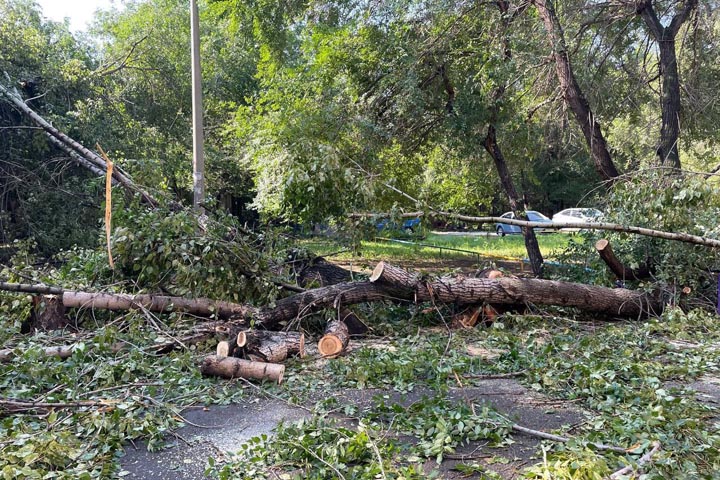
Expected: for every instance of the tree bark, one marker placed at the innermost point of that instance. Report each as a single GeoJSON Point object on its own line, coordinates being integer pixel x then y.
{"type": "Point", "coordinates": [267, 346]}
{"type": "Point", "coordinates": [670, 97]}
{"type": "Point", "coordinates": [507, 290]}
{"type": "Point", "coordinates": [621, 271]}
{"type": "Point", "coordinates": [531, 243]}
{"type": "Point", "coordinates": [231, 367]}
{"type": "Point", "coordinates": [335, 340]}
{"type": "Point", "coordinates": [321, 272]}
{"type": "Point", "coordinates": [71, 145]}
{"type": "Point", "coordinates": [573, 95]}
{"type": "Point", "coordinates": [154, 303]}
{"type": "Point", "coordinates": [48, 313]}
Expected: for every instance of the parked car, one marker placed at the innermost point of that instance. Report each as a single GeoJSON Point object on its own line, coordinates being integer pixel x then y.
{"type": "Point", "coordinates": [408, 225]}
{"type": "Point", "coordinates": [577, 215]}
{"type": "Point", "coordinates": [503, 229]}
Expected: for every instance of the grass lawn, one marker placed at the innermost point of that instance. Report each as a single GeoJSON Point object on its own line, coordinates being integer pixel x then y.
{"type": "Point", "coordinates": [509, 247]}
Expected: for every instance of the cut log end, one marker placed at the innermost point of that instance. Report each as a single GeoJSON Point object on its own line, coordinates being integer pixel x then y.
{"type": "Point", "coordinates": [601, 244]}
{"type": "Point", "coordinates": [335, 340]}
{"type": "Point", "coordinates": [377, 272]}
{"type": "Point", "coordinates": [330, 346]}
{"type": "Point", "coordinates": [223, 349]}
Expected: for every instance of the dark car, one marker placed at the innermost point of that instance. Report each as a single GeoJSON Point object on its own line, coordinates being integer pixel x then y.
{"type": "Point", "coordinates": [408, 225]}
{"type": "Point", "coordinates": [503, 229]}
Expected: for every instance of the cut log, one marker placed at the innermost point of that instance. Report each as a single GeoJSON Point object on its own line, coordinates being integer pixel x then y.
{"type": "Point", "coordinates": [154, 303]}
{"type": "Point", "coordinates": [61, 351]}
{"type": "Point", "coordinates": [226, 348]}
{"type": "Point", "coordinates": [335, 340]}
{"type": "Point", "coordinates": [323, 273]}
{"type": "Point", "coordinates": [231, 367]}
{"type": "Point", "coordinates": [48, 313]}
{"type": "Point", "coordinates": [621, 271]}
{"type": "Point", "coordinates": [273, 347]}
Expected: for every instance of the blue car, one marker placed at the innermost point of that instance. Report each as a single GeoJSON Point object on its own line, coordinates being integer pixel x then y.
{"type": "Point", "coordinates": [408, 225]}
{"type": "Point", "coordinates": [503, 229]}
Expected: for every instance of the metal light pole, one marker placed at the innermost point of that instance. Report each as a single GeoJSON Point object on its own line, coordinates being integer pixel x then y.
{"type": "Point", "coordinates": [197, 111]}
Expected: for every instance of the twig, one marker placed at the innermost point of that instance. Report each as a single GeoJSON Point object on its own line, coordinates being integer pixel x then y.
{"type": "Point", "coordinates": [645, 459]}
{"type": "Point", "coordinates": [23, 405]}
{"type": "Point", "coordinates": [494, 376]}
{"type": "Point", "coordinates": [561, 439]}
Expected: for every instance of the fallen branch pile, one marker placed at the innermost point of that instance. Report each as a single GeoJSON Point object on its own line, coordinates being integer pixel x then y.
{"type": "Point", "coordinates": [265, 345]}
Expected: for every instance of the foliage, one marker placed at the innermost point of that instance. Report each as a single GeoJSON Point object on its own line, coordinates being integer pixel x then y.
{"type": "Point", "coordinates": [686, 204]}
{"type": "Point", "coordinates": [318, 449]}
{"type": "Point", "coordinates": [165, 249]}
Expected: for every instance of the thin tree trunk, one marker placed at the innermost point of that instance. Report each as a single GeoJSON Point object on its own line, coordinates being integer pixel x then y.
{"type": "Point", "coordinates": [492, 147]}
{"type": "Point", "coordinates": [573, 95]}
{"type": "Point", "coordinates": [531, 243]}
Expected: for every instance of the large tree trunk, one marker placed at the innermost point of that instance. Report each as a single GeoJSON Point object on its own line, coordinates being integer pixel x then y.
{"type": "Point", "coordinates": [573, 95]}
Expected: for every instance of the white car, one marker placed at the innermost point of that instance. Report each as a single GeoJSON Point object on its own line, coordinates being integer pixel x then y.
{"type": "Point", "coordinates": [577, 215]}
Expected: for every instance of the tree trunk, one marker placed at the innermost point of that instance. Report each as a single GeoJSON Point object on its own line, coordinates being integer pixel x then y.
{"type": "Point", "coordinates": [531, 243]}
{"type": "Point", "coordinates": [670, 98]}
{"type": "Point", "coordinates": [48, 313]}
{"type": "Point", "coordinates": [506, 290]}
{"type": "Point", "coordinates": [621, 271]}
{"type": "Point", "coordinates": [154, 303]}
{"type": "Point", "coordinates": [71, 145]}
{"type": "Point", "coordinates": [668, 153]}
{"type": "Point", "coordinates": [573, 95]}
{"type": "Point", "coordinates": [231, 367]}
{"type": "Point", "coordinates": [318, 271]}
{"type": "Point", "coordinates": [335, 340]}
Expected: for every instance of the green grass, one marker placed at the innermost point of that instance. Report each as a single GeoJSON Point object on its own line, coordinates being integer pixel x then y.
{"type": "Point", "coordinates": [508, 247]}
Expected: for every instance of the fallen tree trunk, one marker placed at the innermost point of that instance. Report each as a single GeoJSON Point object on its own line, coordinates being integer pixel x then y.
{"type": "Point", "coordinates": [155, 303]}
{"type": "Point", "coordinates": [61, 351]}
{"type": "Point", "coordinates": [621, 271]}
{"type": "Point", "coordinates": [70, 145]}
{"type": "Point", "coordinates": [391, 283]}
{"type": "Point", "coordinates": [267, 346]}
{"type": "Point", "coordinates": [323, 273]}
{"type": "Point", "coordinates": [231, 367]}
